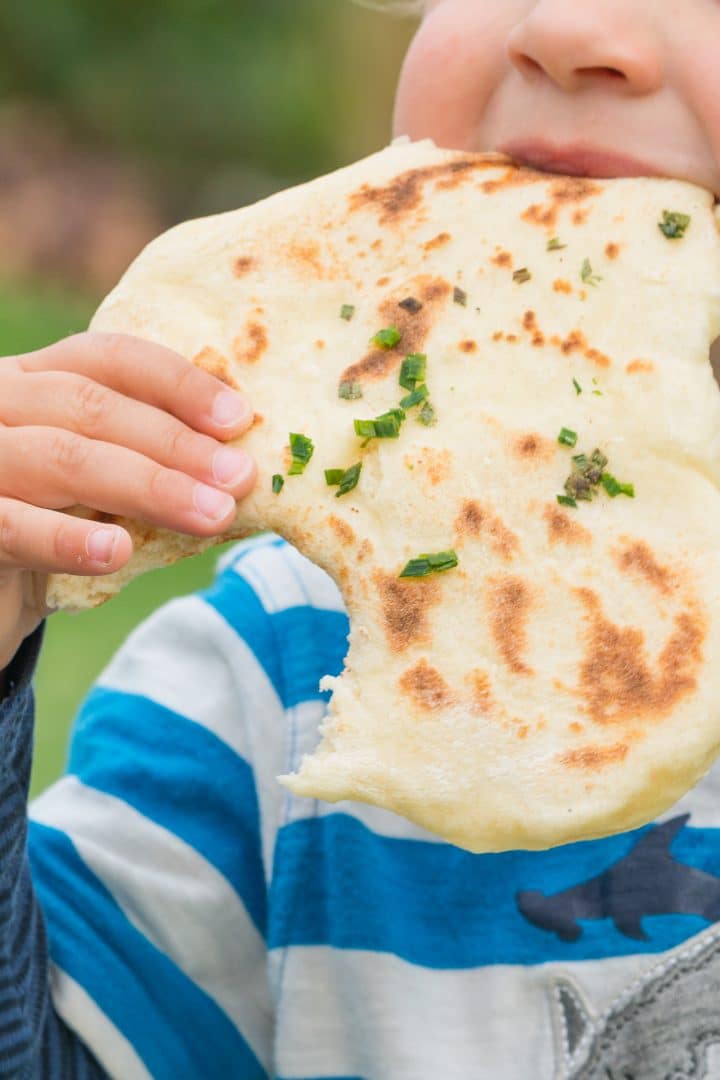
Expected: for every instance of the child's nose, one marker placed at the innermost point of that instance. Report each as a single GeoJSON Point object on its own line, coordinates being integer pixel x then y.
{"type": "Point", "coordinates": [578, 42]}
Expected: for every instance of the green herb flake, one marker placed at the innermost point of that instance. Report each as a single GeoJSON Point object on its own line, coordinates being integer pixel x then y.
{"type": "Point", "coordinates": [343, 479]}
{"type": "Point", "coordinates": [301, 448]}
{"type": "Point", "coordinates": [347, 311]}
{"type": "Point", "coordinates": [522, 275]}
{"type": "Point", "coordinates": [614, 487]}
{"type": "Point", "coordinates": [673, 224]}
{"type": "Point", "coordinates": [412, 370]}
{"type": "Point", "coordinates": [350, 391]}
{"type": "Point", "coordinates": [430, 564]}
{"type": "Point", "coordinates": [459, 296]}
{"type": "Point", "coordinates": [555, 245]}
{"type": "Point", "coordinates": [567, 437]}
{"type": "Point", "coordinates": [567, 500]}
{"type": "Point", "coordinates": [349, 480]}
{"type": "Point", "coordinates": [386, 426]}
{"type": "Point", "coordinates": [387, 338]}
{"type": "Point", "coordinates": [417, 395]}
{"type": "Point", "coordinates": [427, 415]}
{"type": "Point", "coordinates": [586, 475]}
{"type": "Point", "coordinates": [277, 483]}
{"type": "Point", "coordinates": [578, 387]}
{"type": "Point", "coordinates": [587, 275]}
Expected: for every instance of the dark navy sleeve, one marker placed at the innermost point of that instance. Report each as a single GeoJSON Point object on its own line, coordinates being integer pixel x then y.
{"type": "Point", "coordinates": [35, 1044]}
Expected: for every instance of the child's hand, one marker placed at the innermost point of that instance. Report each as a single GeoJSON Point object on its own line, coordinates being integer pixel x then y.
{"type": "Point", "coordinates": [119, 425]}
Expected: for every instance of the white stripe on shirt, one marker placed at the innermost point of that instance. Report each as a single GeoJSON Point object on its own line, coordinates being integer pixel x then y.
{"type": "Point", "coordinates": [174, 897]}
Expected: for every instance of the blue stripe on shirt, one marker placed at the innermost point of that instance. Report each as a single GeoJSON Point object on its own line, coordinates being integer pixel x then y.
{"type": "Point", "coordinates": [207, 796]}
{"type": "Point", "coordinates": [136, 985]}
{"type": "Point", "coordinates": [337, 883]}
{"type": "Point", "coordinates": [295, 647]}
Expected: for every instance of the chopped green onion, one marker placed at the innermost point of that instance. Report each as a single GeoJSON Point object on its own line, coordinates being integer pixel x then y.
{"type": "Point", "coordinates": [674, 224]}
{"type": "Point", "coordinates": [427, 415]}
{"type": "Point", "coordinates": [430, 564]}
{"type": "Point", "coordinates": [350, 391]}
{"type": "Point", "coordinates": [349, 480]}
{"type": "Point", "coordinates": [580, 461]}
{"type": "Point", "coordinates": [417, 395]}
{"type": "Point", "coordinates": [277, 483]}
{"type": "Point", "coordinates": [301, 448]}
{"type": "Point", "coordinates": [412, 371]}
{"type": "Point", "coordinates": [386, 339]}
{"type": "Point", "coordinates": [567, 437]}
{"type": "Point", "coordinates": [613, 487]}
{"type": "Point", "coordinates": [555, 245]}
{"type": "Point", "coordinates": [344, 479]}
{"type": "Point", "coordinates": [598, 393]}
{"type": "Point", "coordinates": [347, 311]}
{"type": "Point", "coordinates": [567, 500]}
{"type": "Point", "coordinates": [386, 426]}
{"type": "Point", "coordinates": [578, 387]}
{"type": "Point", "coordinates": [587, 275]}
{"type": "Point", "coordinates": [460, 296]}
{"type": "Point", "coordinates": [522, 275]}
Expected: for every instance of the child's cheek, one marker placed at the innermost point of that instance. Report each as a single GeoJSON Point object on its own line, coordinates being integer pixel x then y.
{"type": "Point", "coordinates": [454, 65]}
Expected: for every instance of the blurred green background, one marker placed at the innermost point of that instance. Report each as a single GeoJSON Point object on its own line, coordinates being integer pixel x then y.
{"type": "Point", "coordinates": [120, 119]}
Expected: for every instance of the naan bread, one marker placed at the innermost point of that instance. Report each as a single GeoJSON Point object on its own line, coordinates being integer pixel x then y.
{"type": "Point", "coordinates": [563, 681]}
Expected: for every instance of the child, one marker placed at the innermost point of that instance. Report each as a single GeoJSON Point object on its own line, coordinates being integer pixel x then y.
{"type": "Point", "coordinates": [202, 922]}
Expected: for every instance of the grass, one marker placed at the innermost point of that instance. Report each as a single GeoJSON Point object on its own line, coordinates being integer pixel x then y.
{"type": "Point", "coordinates": [77, 647]}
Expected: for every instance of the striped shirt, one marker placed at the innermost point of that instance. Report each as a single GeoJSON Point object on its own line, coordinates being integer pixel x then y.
{"type": "Point", "coordinates": [205, 923]}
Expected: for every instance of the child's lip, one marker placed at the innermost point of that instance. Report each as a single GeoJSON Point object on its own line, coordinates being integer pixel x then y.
{"type": "Point", "coordinates": [576, 159]}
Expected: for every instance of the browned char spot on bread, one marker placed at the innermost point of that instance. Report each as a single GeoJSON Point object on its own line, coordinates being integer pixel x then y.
{"type": "Point", "coordinates": [483, 701]}
{"type": "Point", "coordinates": [243, 264]}
{"type": "Point", "coordinates": [474, 520]}
{"type": "Point", "coordinates": [637, 367]}
{"type": "Point", "coordinates": [509, 601]}
{"type": "Point", "coordinates": [532, 447]}
{"type": "Point", "coordinates": [440, 240]}
{"type": "Point", "coordinates": [594, 757]}
{"type": "Point", "coordinates": [342, 530]}
{"type": "Point", "coordinates": [616, 679]}
{"type": "Point", "coordinates": [414, 328]}
{"type": "Point", "coordinates": [216, 364]}
{"type": "Point", "coordinates": [562, 529]}
{"type": "Point", "coordinates": [405, 604]}
{"type": "Point", "coordinates": [567, 191]}
{"type": "Point", "coordinates": [426, 686]}
{"type": "Point", "coordinates": [249, 346]}
{"type": "Point", "coordinates": [404, 193]}
{"type": "Point", "coordinates": [637, 557]}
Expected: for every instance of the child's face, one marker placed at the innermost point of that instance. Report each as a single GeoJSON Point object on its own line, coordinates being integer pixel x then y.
{"type": "Point", "coordinates": [596, 87]}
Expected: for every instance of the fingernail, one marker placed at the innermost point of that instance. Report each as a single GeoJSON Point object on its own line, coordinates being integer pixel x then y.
{"type": "Point", "coordinates": [229, 409]}
{"type": "Point", "coordinates": [100, 545]}
{"type": "Point", "coordinates": [231, 467]}
{"type": "Point", "coordinates": [211, 503]}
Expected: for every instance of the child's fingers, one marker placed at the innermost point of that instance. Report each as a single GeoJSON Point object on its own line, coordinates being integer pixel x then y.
{"type": "Point", "coordinates": [156, 375]}
{"type": "Point", "coordinates": [50, 542]}
{"type": "Point", "coordinates": [52, 468]}
{"type": "Point", "coordinates": [62, 400]}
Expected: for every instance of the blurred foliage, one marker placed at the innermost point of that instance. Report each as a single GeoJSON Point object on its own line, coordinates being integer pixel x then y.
{"type": "Point", "coordinates": [205, 87]}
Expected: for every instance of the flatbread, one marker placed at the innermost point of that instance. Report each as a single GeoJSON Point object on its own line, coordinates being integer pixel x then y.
{"type": "Point", "coordinates": [562, 681]}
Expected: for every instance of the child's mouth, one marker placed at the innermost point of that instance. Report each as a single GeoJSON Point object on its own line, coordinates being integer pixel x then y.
{"type": "Point", "coordinates": [576, 159]}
